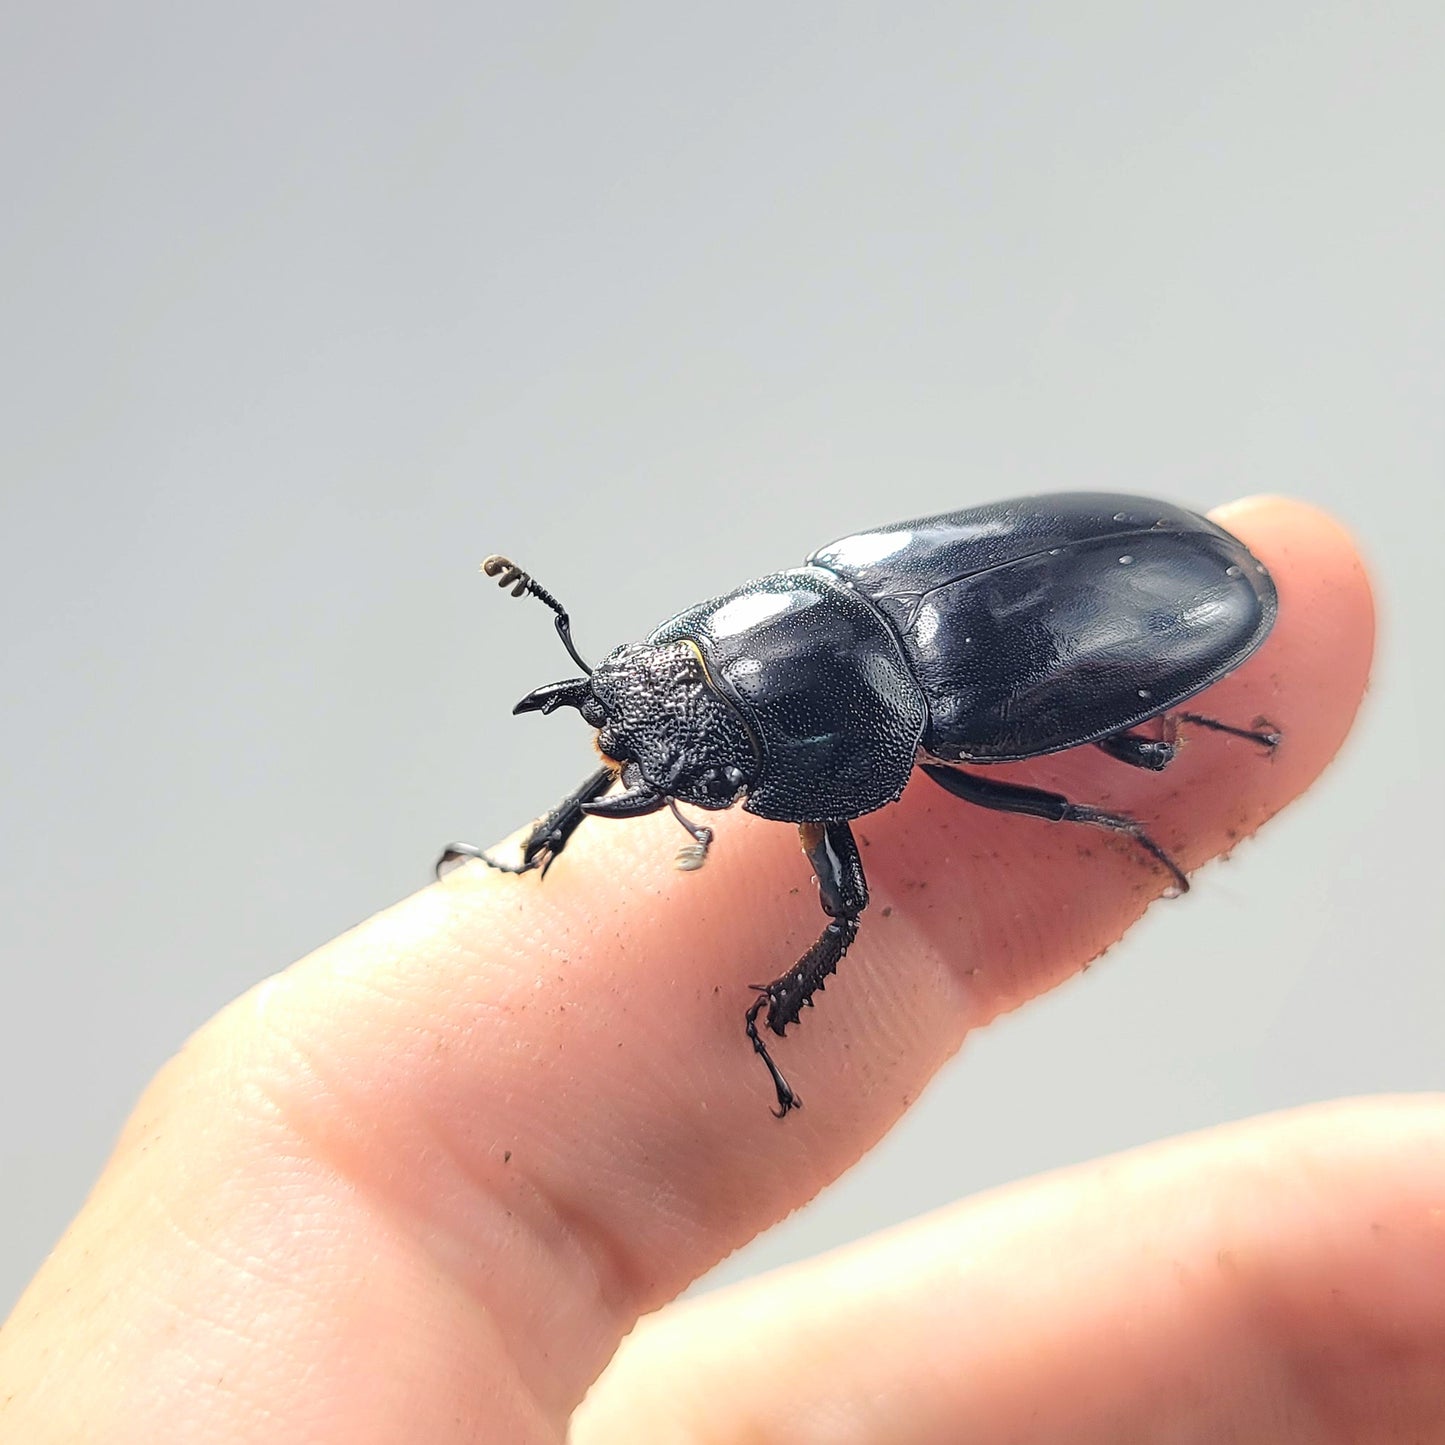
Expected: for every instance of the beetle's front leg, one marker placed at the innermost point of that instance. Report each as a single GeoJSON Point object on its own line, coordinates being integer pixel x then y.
{"type": "Point", "coordinates": [843, 892]}
{"type": "Point", "coordinates": [546, 840]}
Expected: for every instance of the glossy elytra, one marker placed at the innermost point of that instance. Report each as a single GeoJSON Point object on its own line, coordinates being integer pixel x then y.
{"type": "Point", "coordinates": [982, 636]}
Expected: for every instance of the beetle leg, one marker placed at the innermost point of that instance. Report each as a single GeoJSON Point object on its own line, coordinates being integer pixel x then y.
{"type": "Point", "coordinates": [1144, 752]}
{"type": "Point", "coordinates": [1266, 735]}
{"type": "Point", "coordinates": [1140, 752]}
{"type": "Point", "coordinates": [1157, 753]}
{"type": "Point", "coordinates": [546, 840]}
{"type": "Point", "coordinates": [1036, 803]}
{"type": "Point", "coordinates": [843, 892]}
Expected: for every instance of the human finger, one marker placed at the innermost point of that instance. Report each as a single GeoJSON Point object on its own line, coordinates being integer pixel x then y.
{"type": "Point", "coordinates": [518, 1114]}
{"type": "Point", "coordinates": [1280, 1281]}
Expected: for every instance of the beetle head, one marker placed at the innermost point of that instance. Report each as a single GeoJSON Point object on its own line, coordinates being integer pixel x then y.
{"type": "Point", "coordinates": [659, 718]}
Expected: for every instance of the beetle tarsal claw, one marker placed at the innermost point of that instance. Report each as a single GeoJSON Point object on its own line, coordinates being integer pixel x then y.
{"type": "Point", "coordinates": [691, 856]}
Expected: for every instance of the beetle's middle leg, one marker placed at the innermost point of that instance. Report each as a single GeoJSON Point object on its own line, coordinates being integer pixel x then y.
{"type": "Point", "coordinates": [1141, 751]}
{"type": "Point", "coordinates": [843, 892]}
{"type": "Point", "coordinates": [1037, 803]}
{"type": "Point", "coordinates": [546, 840]}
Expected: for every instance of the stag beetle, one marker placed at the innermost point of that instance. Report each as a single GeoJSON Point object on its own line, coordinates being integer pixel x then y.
{"type": "Point", "coordinates": [986, 635]}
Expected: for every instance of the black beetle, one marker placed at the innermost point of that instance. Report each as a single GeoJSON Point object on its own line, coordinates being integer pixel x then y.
{"type": "Point", "coordinates": [987, 635]}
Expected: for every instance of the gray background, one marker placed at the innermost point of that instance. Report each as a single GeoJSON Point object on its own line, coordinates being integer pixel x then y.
{"type": "Point", "coordinates": [304, 308]}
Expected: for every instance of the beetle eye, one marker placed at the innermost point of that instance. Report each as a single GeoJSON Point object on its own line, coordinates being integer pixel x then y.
{"type": "Point", "coordinates": [593, 712]}
{"type": "Point", "coordinates": [720, 785]}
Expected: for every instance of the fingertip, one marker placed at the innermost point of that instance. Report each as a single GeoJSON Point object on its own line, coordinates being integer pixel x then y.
{"type": "Point", "coordinates": [1324, 639]}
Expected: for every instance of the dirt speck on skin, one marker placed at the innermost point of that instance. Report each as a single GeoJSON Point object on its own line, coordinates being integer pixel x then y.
{"type": "Point", "coordinates": [506, 1156]}
{"type": "Point", "coordinates": [886, 913]}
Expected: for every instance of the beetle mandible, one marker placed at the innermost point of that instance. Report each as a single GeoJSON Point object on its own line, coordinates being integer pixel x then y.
{"type": "Point", "coordinates": [988, 635]}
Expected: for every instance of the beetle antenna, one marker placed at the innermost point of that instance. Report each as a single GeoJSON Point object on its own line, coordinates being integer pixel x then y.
{"type": "Point", "coordinates": [691, 856]}
{"type": "Point", "coordinates": [508, 574]}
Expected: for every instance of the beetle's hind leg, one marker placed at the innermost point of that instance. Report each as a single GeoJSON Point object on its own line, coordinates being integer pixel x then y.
{"type": "Point", "coordinates": [546, 840]}
{"type": "Point", "coordinates": [1140, 751]}
{"type": "Point", "coordinates": [1036, 803]}
{"type": "Point", "coordinates": [1156, 754]}
{"type": "Point", "coordinates": [843, 892]}
{"type": "Point", "coordinates": [1264, 733]}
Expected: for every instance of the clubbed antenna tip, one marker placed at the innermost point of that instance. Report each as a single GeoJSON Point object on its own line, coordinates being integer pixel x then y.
{"type": "Point", "coordinates": [508, 574]}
